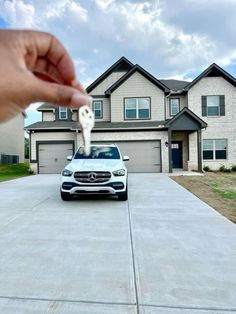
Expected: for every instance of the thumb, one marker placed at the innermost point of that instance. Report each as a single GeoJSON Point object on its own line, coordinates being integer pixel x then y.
{"type": "Point", "coordinates": [59, 94]}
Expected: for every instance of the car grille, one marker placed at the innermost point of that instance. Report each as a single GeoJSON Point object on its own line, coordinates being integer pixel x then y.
{"type": "Point", "coordinates": [92, 176]}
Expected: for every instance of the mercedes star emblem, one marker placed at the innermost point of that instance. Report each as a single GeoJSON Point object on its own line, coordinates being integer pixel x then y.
{"type": "Point", "coordinates": [92, 176]}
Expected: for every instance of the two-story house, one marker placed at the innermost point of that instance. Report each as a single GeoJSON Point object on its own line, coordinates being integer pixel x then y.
{"type": "Point", "coordinates": [160, 124]}
{"type": "Point", "coordinates": [12, 148]}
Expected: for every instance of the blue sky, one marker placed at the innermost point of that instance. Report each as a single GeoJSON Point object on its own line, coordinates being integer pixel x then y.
{"type": "Point", "coordinates": [169, 38]}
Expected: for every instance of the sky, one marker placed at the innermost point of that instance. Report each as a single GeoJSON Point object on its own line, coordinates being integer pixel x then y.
{"type": "Point", "coordinates": [169, 38]}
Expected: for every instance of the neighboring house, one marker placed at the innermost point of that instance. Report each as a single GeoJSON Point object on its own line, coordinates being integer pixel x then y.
{"type": "Point", "coordinates": [12, 140]}
{"type": "Point", "coordinates": [160, 124]}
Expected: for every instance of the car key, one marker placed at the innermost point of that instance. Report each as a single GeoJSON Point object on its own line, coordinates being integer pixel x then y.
{"type": "Point", "coordinates": [86, 119]}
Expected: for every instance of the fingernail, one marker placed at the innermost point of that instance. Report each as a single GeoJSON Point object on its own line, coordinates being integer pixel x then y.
{"type": "Point", "coordinates": [78, 85]}
{"type": "Point", "coordinates": [79, 99]}
{"type": "Point", "coordinates": [74, 82]}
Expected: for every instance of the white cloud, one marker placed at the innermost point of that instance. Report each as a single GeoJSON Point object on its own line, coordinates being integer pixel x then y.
{"type": "Point", "coordinates": [168, 38]}
{"type": "Point", "coordinates": [18, 13]}
{"type": "Point", "coordinates": [104, 4]}
{"type": "Point", "coordinates": [33, 107]}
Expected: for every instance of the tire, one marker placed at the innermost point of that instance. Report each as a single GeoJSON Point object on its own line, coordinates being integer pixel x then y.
{"type": "Point", "coordinates": [66, 196]}
{"type": "Point", "coordinates": [123, 196]}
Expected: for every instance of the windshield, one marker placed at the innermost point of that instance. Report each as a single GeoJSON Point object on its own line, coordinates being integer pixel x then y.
{"type": "Point", "coordinates": [99, 152]}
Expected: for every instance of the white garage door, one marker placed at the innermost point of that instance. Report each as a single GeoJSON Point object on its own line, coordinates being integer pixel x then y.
{"type": "Point", "coordinates": [52, 157]}
{"type": "Point", "coordinates": [145, 156]}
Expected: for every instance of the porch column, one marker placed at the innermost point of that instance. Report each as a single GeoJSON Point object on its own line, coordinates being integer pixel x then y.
{"type": "Point", "coordinates": [170, 150]}
{"type": "Point", "coordinates": [199, 146]}
{"type": "Point", "coordinates": [77, 139]}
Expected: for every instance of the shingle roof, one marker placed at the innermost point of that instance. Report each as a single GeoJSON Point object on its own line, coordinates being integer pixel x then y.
{"type": "Point", "coordinates": [174, 85]}
{"type": "Point", "coordinates": [53, 125]}
{"type": "Point", "coordinates": [129, 125]}
{"type": "Point", "coordinates": [46, 106]}
{"type": "Point", "coordinates": [57, 125]}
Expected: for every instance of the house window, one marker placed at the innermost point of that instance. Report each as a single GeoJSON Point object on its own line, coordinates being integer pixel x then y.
{"type": "Point", "coordinates": [174, 106]}
{"type": "Point", "coordinates": [63, 113]}
{"type": "Point", "coordinates": [215, 149]}
{"type": "Point", "coordinates": [213, 106]}
{"type": "Point", "coordinates": [137, 108]}
{"type": "Point", "coordinates": [97, 109]}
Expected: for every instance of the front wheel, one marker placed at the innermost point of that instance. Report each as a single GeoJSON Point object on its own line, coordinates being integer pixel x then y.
{"type": "Point", "coordinates": [66, 196]}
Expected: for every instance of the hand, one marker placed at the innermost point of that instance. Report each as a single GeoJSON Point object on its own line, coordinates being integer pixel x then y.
{"type": "Point", "coordinates": [34, 66]}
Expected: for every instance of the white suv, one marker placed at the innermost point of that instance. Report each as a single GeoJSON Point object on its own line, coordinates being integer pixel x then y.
{"type": "Point", "coordinates": [102, 172]}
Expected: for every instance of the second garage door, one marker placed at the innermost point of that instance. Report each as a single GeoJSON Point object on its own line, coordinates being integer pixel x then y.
{"type": "Point", "coordinates": [145, 156]}
{"type": "Point", "coordinates": [52, 158]}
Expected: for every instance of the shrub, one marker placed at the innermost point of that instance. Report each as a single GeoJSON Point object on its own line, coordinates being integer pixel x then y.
{"type": "Point", "coordinates": [206, 168]}
{"type": "Point", "coordinates": [224, 169]}
{"type": "Point", "coordinates": [233, 168]}
{"type": "Point", "coordinates": [30, 171]}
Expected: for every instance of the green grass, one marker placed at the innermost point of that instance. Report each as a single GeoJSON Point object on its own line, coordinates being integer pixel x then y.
{"type": "Point", "coordinates": [9, 172]}
{"type": "Point", "coordinates": [229, 195]}
{"type": "Point", "coordinates": [224, 186]}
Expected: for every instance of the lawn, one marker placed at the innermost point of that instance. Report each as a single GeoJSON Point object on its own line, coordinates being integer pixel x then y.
{"type": "Point", "coordinates": [216, 189]}
{"type": "Point", "coordinates": [9, 172]}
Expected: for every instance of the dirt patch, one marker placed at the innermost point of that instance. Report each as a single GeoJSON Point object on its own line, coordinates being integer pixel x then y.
{"type": "Point", "coordinates": [216, 189]}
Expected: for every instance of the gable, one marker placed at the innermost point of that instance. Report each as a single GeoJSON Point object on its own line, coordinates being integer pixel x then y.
{"type": "Point", "coordinates": [137, 85]}
{"type": "Point", "coordinates": [212, 71]}
{"type": "Point", "coordinates": [142, 72]}
{"type": "Point", "coordinates": [186, 120]}
{"type": "Point", "coordinates": [117, 70]}
{"type": "Point", "coordinates": [106, 83]}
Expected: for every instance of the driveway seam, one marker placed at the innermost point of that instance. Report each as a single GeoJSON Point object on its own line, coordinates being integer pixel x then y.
{"type": "Point", "coordinates": [65, 301]}
{"type": "Point", "coordinates": [189, 308]}
{"type": "Point", "coordinates": [10, 221]}
{"type": "Point", "coordinates": [133, 261]}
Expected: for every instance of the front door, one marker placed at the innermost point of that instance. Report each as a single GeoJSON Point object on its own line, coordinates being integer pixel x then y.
{"type": "Point", "coordinates": [177, 155]}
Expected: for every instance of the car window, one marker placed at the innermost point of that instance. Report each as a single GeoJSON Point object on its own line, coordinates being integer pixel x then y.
{"type": "Point", "coordinates": [99, 153]}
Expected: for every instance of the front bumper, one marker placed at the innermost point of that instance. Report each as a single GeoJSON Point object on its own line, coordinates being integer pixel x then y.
{"type": "Point", "coordinates": [112, 188]}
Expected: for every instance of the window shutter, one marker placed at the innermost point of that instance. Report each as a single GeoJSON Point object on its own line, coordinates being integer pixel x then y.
{"type": "Point", "coordinates": [69, 114]}
{"type": "Point", "coordinates": [57, 114]}
{"type": "Point", "coordinates": [222, 105]}
{"type": "Point", "coordinates": [204, 106]}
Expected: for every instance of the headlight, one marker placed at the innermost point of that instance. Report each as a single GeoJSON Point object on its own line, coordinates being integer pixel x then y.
{"type": "Point", "coordinates": [120, 172]}
{"type": "Point", "coordinates": [67, 173]}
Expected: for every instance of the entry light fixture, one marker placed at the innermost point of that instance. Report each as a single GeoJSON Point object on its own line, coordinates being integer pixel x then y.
{"type": "Point", "coordinates": [166, 143]}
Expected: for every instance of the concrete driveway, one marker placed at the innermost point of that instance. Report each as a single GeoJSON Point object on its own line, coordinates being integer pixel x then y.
{"type": "Point", "coordinates": [164, 251]}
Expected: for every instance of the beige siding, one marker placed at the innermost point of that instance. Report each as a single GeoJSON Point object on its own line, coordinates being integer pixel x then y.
{"type": "Point", "coordinates": [48, 116]}
{"type": "Point", "coordinates": [50, 136]}
{"type": "Point", "coordinates": [75, 115]}
{"type": "Point", "coordinates": [222, 127]}
{"type": "Point", "coordinates": [106, 110]}
{"type": "Point", "coordinates": [183, 103]}
{"type": "Point", "coordinates": [137, 86]}
{"type": "Point", "coordinates": [105, 84]}
{"type": "Point", "coordinates": [193, 152]}
{"type": "Point", "coordinates": [12, 137]}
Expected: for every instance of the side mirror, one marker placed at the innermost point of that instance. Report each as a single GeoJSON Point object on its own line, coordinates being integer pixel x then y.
{"type": "Point", "coordinates": [125, 158]}
{"type": "Point", "coordinates": [69, 158]}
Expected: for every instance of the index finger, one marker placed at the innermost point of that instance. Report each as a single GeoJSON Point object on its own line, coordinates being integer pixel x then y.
{"type": "Point", "coordinates": [50, 48]}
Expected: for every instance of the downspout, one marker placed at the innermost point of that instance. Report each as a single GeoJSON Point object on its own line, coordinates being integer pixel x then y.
{"type": "Point", "coordinates": [169, 134]}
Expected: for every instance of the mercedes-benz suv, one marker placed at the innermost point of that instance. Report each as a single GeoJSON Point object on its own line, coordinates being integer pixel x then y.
{"type": "Point", "coordinates": [101, 172]}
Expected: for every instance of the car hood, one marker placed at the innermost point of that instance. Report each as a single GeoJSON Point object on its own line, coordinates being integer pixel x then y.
{"type": "Point", "coordinates": [95, 165]}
